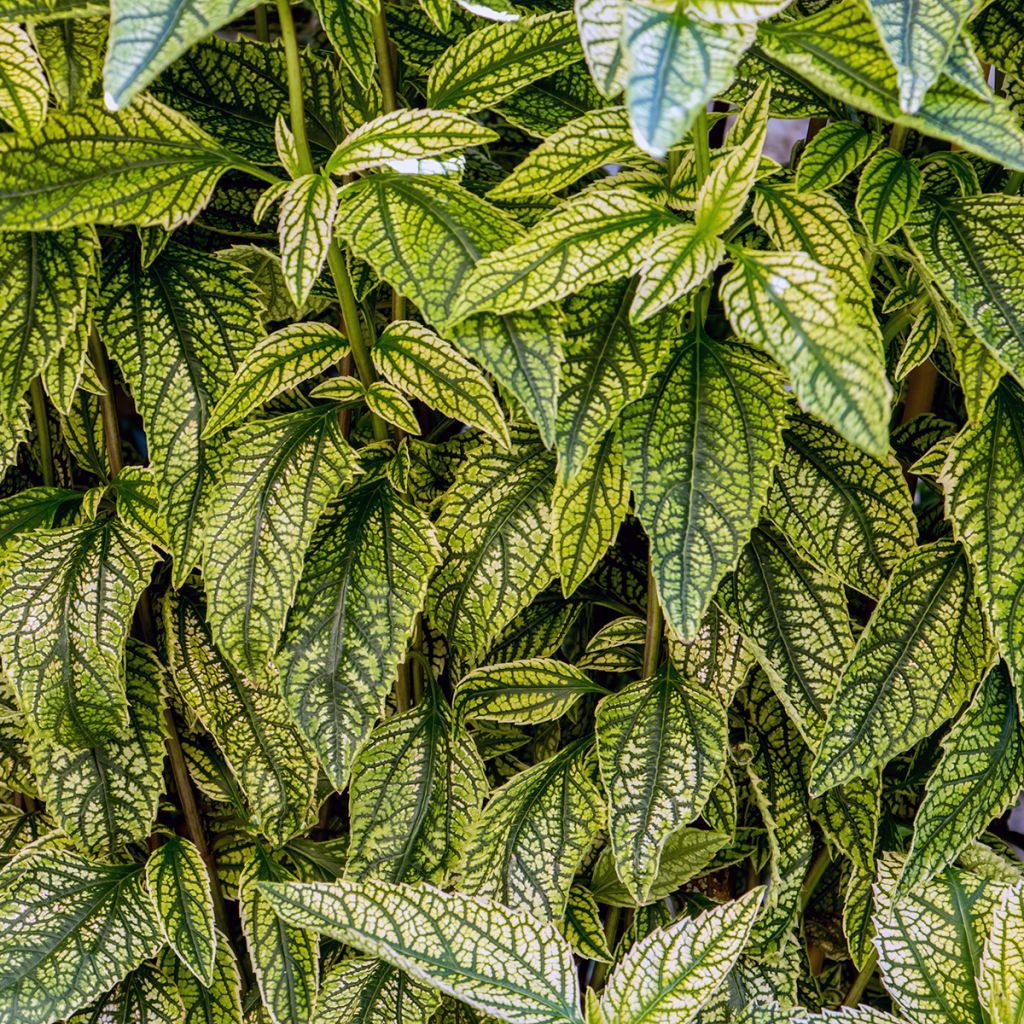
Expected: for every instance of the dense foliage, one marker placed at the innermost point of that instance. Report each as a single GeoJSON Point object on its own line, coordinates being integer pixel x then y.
{"type": "Point", "coordinates": [482, 540]}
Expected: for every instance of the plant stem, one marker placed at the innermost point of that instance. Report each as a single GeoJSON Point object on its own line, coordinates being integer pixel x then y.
{"type": "Point", "coordinates": [108, 404]}
{"type": "Point", "coordinates": [816, 873]}
{"type": "Point", "coordinates": [43, 432]}
{"type": "Point", "coordinates": [701, 147]}
{"type": "Point", "coordinates": [382, 47]}
{"type": "Point", "coordinates": [293, 65]}
{"type": "Point", "coordinates": [262, 28]}
{"type": "Point", "coordinates": [655, 628]}
{"type": "Point", "coordinates": [898, 137]}
{"type": "Point", "coordinates": [853, 997]}
{"type": "Point", "coordinates": [1013, 183]}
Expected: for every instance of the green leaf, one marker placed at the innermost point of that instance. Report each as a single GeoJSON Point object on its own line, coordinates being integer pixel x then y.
{"type": "Point", "coordinates": [838, 51]}
{"type": "Point", "coordinates": [361, 588]}
{"type": "Point", "coordinates": [582, 925]}
{"type": "Point", "coordinates": [701, 447]}
{"type": "Point", "coordinates": [1002, 964]}
{"type": "Point", "coordinates": [662, 744]}
{"type": "Point", "coordinates": [71, 929]}
{"type": "Point", "coordinates": [278, 363]}
{"type": "Point", "coordinates": [24, 91]}
{"type": "Point", "coordinates": [923, 652]}
{"type": "Point", "coordinates": [975, 781]}
{"type": "Point", "coordinates": [844, 510]}
{"type": "Point", "coordinates": [591, 238]}
{"type": "Point", "coordinates": [285, 960]}
{"type": "Point", "coordinates": [888, 192]}
{"type": "Point", "coordinates": [675, 65]}
{"type": "Point", "coordinates": [362, 991]}
{"type": "Point", "coordinates": [500, 961]}
{"type": "Point", "coordinates": [679, 259]}
{"type": "Point", "coordinates": [179, 330]}
{"type": "Point", "coordinates": [672, 973]}
{"type": "Point", "coordinates": [148, 166]}
{"type": "Point", "coordinates": [220, 1003]}
{"type": "Point", "coordinates": [834, 152]}
{"type": "Point", "coordinates": [247, 718]}
{"type": "Point", "coordinates": [279, 476]}
{"type": "Point", "coordinates": [44, 287]}
{"type": "Point", "coordinates": [305, 228]}
{"type": "Point", "coordinates": [65, 611]}
{"type": "Point", "coordinates": [147, 994]}
{"type": "Point", "coordinates": [788, 304]}
{"type": "Point", "coordinates": [495, 536]}
{"type": "Point", "coordinates": [387, 402]}
{"type": "Point", "coordinates": [416, 786]}
{"type": "Point", "coordinates": [179, 888]}
{"type": "Point", "coordinates": [488, 65]}
{"type": "Point", "coordinates": [106, 797]}
{"type": "Point", "coordinates": [407, 135]}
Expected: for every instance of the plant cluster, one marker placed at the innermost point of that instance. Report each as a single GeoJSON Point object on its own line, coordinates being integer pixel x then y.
{"type": "Point", "coordinates": [481, 540]}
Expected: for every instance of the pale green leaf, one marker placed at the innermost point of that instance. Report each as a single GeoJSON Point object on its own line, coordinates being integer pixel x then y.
{"type": "Point", "coordinates": [362, 991]}
{"type": "Point", "coordinates": [220, 1003]}
{"type": "Point", "coordinates": [305, 228]}
{"type": "Point", "coordinates": [889, 188]}
{"type": "Point", "coordinates": [24, 91]}
{"type": "Point", "coordinates": [599, 24]}
{"type": "Point", "coordinates": [387, 402]}
{"type": "Point", "coordinates": [146, 996]}
{"type": "Point", "coordinates": [582, 925]}
{"type": "Point", "coordinates": [1001, 978]}
{"type": "Point", "coordinates": [679, 259]}
{"type": "Point", "coordinates": [72, 51]}
{"type": "Point", "coordinates": [834, 152]}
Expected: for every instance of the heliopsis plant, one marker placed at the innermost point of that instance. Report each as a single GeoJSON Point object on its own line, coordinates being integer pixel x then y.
{"type": "Point", "coordinates": [490, 533]}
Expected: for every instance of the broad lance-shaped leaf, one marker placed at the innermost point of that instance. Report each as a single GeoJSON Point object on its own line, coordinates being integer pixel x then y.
{"type": "Point", "coordinates": [66, 607]}
{"type": "Point", "coordinates": [923, 652]}
{"type": "Point", "coordinates": [305, 227]}
{"type": "Point", "coordinates": [495, 536]}
{"type": "Point", "coordinates": [24, 91]}
{"type": "Point", "coordinates": [797, 621]}
{"type": "Point", "coordinates": [279, 476]}
{"type": "Point", "coordinates": [279, 362]}
{"type": "Point", "coordinates": [662, 743]}
{"type": "Point", "coordinates": [367, 991]}
{"type": "Point", "coordinates": [486, 66]}
{"type": "Point", "coordinates": [979, 775]}
{"type": "Point", "coordinates": [889, 188]}
{"type": "Point", "coordinates": [787, 304]}
{"type": "Point", "coordinates": [416, 786]}
{"type": "Point", "coordinates": [44, 281]}
{"type": "Point", "coordinates": [427, 367]}
{"type": "Point", "coordinates": [147, 166]}
{"type": "Point", "coordinates": [146, 37]}
{"type": "Point", "coordinates": [971, 245]}
{"type": "Point", "coordinates": [675, 262]}
{"type": "Point", "coordinates": [984, 482]}
{"type": "Point", "coordinates": [838, 51]}
{"type": "Point", "coordinates": [672, 973]}
{"type": "Point", "coordinates": [842, 509]}
{"type": "Point", "coordinates": [591, 238]}
{"type": "Point", "coordinates": [271, 763]}
{"type": "Point", "coordinates": [700, 450]}
{"type": "Point", "coordinates": [675, 65]}
{"type": "Point", "coordinates": [609, 362]}
{"type": "Point", "coordinates": [502, 962]}
{"type": "Point", "coordinates": [834, 152]}
{"type": "Point", "coordinates": [406, 135]}
{"type": "Point", "coordinates": [179, 888]}
{"type": "Point", "coordinates": [147, 994]}
{"type": "Point", "coordinates": [71, 930]}
{"type": "Point", "coordinates": [179, 330]}
{"type": "Point", "coordinates": [528, 843]}
{"type": "Point", "coordinates": [285, 959]}
{"type": "Point", "coordinates": [1001, 978]}
{"type": "Point", "coordinates": [362, 585]}
{"type": "Point", "coordinates": [221, 1002]}
{"type": "Point", "coordinates": [107, 797]}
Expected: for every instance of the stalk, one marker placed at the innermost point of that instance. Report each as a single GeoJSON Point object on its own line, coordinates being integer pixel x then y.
{"type": "Point", "coordinates": [655, 628]}
{"type": "Point", "coordinates": [853, 997]}
{"type": "Point", "coordinates": [382, 48]}
{"type": "Point", "coordinates": [42, 423]}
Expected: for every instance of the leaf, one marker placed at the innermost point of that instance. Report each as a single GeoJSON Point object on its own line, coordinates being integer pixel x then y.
{"type": "Point", "coordinates": [278, 363]}
{"type": "Point", "coordinates": [387, 402]}
{"type": "Point", "coordinates": [679, 259]}
{"type": "Point", "coordinates": [106, 797]}
{"type": "Point", "coordinates": [361, 588]}
{"type": "Point", "coordinates": [844, 510]}
{"type": "Point", "coordinates": [71, 929]}
{"type": "Point", "coordinates": [599, 24]}
{"type": "Point", "coordinates": [495, 542]}
{"type": "Point", "coordinates": [999, 979]}
{"type": "Point", "coordinates": [700, 448]}
{"type": "Point", "coordinates": [179, 331]}
{"type": "Point", "coordinates": [675, 65]}
{"type": "Point", "coordinates": [44, 282]}
{"type": "Point", "coordinates": [582, 925]}
{"type": "Point", "coordinates": [279, 476]}
{"type": "Point", "coordinates": [148, 166]}
{"type": "Point", "coordinates": [24, 91]}
{"type": "Point", "coordinates": [362, 991]}
{"type": "Point", "coordinates": [834, 152]}
{"type": "Point", "coordinates": [923, 652]}
{"type": "Point", "coordinates": [662, 745]}
{"type": "Point", "coordinates": [406, 135]}
{"type": "Point", "coordinates": [975, 781]}
{"type": "Point", "coordinates": [179, 888]}
{"type": "Point", "coordinates": [248, 720]}
{"type": "Point", "coordinates": [500, 961]}
{"type": "Point", "coordinates": [672, 973]}
{"type": "Point", "coordinates": [888, 192]}
{"type": "Point", "coordinates": [838, 51]}
{"type": "Point", "coordinates": [305, 228]}
{"type": "Point", "coordinates": [218, 1004]}
{"type": "Point", "coordinates": [787, 304]}
{"type": "Point", "coordinates": [147, 994]}
{"type": "Point", "coordinates": [488, 65]}
{"type": "Point", "coordinates": [65, 611]}
{"type": "Point", "coordinates": [587, 240]}
{"type": "Point", "coordinates": [416, 786]}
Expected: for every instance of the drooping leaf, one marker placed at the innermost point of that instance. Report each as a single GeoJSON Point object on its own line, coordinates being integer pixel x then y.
{"type": "Point", "coordinates": [889, 188]}
{"type": "Point", "coordinates": [834, 152]}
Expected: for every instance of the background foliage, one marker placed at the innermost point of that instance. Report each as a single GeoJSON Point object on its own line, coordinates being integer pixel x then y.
{"type": "Point", "coordinates": [480, 539]}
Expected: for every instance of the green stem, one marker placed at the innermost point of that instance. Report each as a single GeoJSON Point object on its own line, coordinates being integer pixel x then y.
{"type": "Point", "coordinates": [655, 628]}
{"type": "Point", "coordinates": [262, 28]}
{"type": "Point", "coordinates": [1013, 183]}
{"type": "Point", "coordinates": [382, 48]}
{"type": "Point", "coordinates": [43, 432]}
{"type": "Point", "coordinates": [898, 137]}
{"type": "Point", "coordinates": [108, 404]}
{"type": "Point", "coordinates": [611, 934]}
{"type": "Point", "coordinates": [816, 873]}
{"type": "Point", "coordinates": [293, 66]}
{"type": "Point", "coordinates": [701, 147]}
{"type": "Point", "coordinates": [853, 997]}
